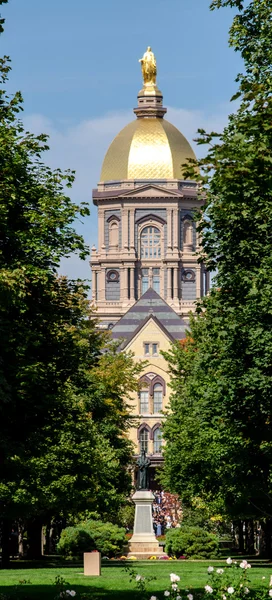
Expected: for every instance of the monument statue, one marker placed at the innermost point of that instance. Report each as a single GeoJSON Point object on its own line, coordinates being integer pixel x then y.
{"type": "Point", "coordinates": [143, 463]}
{"type": "Point", "coordinates": [149, 67]}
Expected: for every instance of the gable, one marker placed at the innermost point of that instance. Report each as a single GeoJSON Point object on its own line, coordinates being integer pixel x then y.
{"type": "Point", "coordinates": [152, 191]}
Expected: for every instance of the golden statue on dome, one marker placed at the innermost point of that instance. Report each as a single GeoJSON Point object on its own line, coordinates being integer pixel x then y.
{"type": "Point", "coordinates": [149, 67]}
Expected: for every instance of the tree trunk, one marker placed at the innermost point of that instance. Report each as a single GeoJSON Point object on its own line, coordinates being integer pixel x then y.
{"type": "Point", "coordinates": [241, 536]}
{"type": "Point", "coordinates": [249, 524]}
{"type": "Point", "coordinates": [21, 530]}
{"type": "Point", "coordinates": [34, 539]}
{"type": "Point", "coordinates": [267, 546]}
{"type": "Point", "coordinates": [5, 543]}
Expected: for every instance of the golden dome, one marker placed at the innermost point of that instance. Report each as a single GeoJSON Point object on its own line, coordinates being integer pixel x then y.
{"type": "Point", "coordinates": [147, 148]}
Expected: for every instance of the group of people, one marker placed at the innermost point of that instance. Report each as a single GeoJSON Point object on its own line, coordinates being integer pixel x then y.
{"type": "Point", "coordinates": [166, 512]}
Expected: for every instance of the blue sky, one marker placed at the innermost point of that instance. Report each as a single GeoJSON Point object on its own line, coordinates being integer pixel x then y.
{"type": "Point", "coordinates": [76, 64]}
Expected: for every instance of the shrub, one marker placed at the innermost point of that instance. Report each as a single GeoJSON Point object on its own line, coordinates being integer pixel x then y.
{"type": "Point", "coordinates": [91, 535]}
{"type": "Point", "coordinates": [193, 542]}
{"type": "Point", "coordinates": [74, 541]}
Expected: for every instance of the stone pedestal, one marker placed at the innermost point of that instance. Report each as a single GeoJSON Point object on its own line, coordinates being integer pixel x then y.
{"type": "Point", "coordinates": [143, 543]}
{"type": "Point", "coordinates": [92, 563]}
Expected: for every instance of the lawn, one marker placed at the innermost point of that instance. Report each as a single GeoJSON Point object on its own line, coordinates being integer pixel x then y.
{"type": "Point", "coordinates": [38, 583]}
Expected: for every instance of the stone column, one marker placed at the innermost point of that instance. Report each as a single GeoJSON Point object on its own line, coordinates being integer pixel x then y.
{"type": "Point", "coordinates": [125, 229]}
{"type": "Point", "coordinates": [169, 284]}
{"type": "Point", "coordinates": [132, 284]}
{"type": "Point", "coordinates": [176, 282]}
{"type": "Point", "coordinates": [169, 228]}
{"type": "Point", "coordinates": [102, 285]}
{"type": "Point", "coordinates": [94, 285]}
{"type": "Point", "coordinates": [126, 283]}
{"type": "Point", "coordinates": [198, 282]}
{"type": "Point", "coordinates": [101, 229]}
{"type": "Point", "coordinates": [175, 227]}
{"type": "Point", "coordinates": [131, 229]}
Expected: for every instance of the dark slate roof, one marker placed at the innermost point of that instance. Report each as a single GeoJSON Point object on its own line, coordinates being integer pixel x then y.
{"type": "Point", "coordinates": [150, 305]}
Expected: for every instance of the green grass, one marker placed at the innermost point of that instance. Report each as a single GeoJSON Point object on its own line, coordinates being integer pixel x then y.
{"type": "Point", "coordinates": [114, 582]}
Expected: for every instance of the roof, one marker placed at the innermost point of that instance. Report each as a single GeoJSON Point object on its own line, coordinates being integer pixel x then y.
{"type": "Point", "coordinates": [149, 148]}
{"type": "Point", "coordinates": [150, 305]}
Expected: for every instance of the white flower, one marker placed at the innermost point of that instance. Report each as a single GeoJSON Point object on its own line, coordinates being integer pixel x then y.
{"type": "Point", "coordinates": [230, 590]}
{"type": "Point", "coordinates": [178, 597]}
{"type": "Point", "coordinates": [210, 569]}
{"type": "Point", "coordinates": [174, 587]}
{"type": "Point", "coordinates": [153, 598]}
{"type": "Point", "coordinates": [139, 578]}
{"type": "Point", "coordinates": [263, 577]}
{"type": "Point", "coordinates": [190, 597]}
{"type": "Point", "coordinates": [229, 561]}
{"type": "Point", "coordinates": [224, 597]}
{"type": "Point", "coordinates": [246, 590]}
{"type": "Point", "coordinates": [219, 571]}
{"type": "Point", "coordinates": [270, 593]}
{"type": "Point", "coordinates": [245, 565]}
{"type": "Point", "coordinates": [174, 578]}
{"type": "Point", "coordinates": [208, 589]}
{"type": "Point", "coordinates": [270, 582]}
{"type": "Point", "coordinates": [166, 593]}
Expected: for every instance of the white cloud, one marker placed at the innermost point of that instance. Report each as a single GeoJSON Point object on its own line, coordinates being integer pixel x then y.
{"type": "Point", "coordinates": [82, 147]}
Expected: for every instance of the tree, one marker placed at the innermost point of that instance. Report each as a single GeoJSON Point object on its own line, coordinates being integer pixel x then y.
{"type": "Point", "coordinates": [222, 375]}
{"type": "Point", "coordinates": [62, 444]}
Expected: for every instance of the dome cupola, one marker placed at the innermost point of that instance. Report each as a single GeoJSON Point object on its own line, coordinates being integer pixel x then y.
{"type": "Point", "coordinates": [149, 147]}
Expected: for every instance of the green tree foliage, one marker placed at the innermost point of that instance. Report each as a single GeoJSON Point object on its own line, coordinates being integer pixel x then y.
{"type": "Point", "coordinates": [219, 432]}
{"type": "Point", "coordinates": [2, 21]}
{"type": "Point", "coordinates": [63, 390]}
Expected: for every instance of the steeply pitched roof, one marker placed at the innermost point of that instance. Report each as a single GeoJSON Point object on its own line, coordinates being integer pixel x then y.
{"type": "Point", "coordinates": [149, 305]}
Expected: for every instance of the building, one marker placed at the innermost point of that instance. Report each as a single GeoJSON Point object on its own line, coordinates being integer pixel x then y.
{"type": "Point", "coordinates": [146, 277]}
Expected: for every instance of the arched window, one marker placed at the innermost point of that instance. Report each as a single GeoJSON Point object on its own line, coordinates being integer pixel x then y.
{"type": "Point", "coordinates": [114, 234]}
{"type": "Point", "coordinates": [157, 395]}
{"type": "Point", "coordinates": [157, 440]}
{"type": "Point", "coordinates": [144, 401]}
{"type": "Point", "coordinates": [150, 243]}
{"type": "Point", "coordinates": [143, 438]}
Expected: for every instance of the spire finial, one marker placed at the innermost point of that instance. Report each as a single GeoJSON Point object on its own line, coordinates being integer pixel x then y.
{"type": "Point", "coordinates": [149, 97]}
{"type": "Point", "coordinates": [149, 68]}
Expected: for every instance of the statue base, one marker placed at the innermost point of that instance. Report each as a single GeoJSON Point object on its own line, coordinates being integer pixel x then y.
{"type": "Point", "coordinates": [143, 543]}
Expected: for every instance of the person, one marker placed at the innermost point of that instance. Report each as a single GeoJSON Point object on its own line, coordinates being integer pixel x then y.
{"type": "Point", "coordinates": [149, 67]}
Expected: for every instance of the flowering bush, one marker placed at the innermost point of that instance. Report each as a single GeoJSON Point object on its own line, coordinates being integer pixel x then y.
{"type": "Point", "coordinates": [232, 583]}
{"type": "Point", "coordinates": [228, 583]}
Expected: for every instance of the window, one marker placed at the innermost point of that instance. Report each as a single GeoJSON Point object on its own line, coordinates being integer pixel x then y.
{"type": "Point", "coordinates": [150, 243]}
{"type": "Point", "coordinates": [156, 280]}
{"type": "Point", "coordinates": [113, 275]}
{"type": "Point", "coordinates": [144, 401]}
{"type": "Point", "coordinates": [157, 396]}
{"type": "Point", "coordinates": [154, 349]}
{"type": "Point", "coordinates": [145, 280]}
{"type": "Point", "coordinates": [148, 348]}
{"type": "Point", "coordinates": [157, 440]}
{"type": "Point", "coordinates": [143, 440]}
